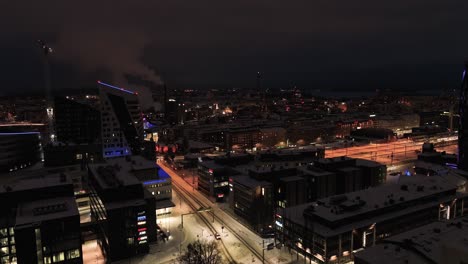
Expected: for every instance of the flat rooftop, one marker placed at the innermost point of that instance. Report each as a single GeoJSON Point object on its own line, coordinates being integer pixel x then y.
{"type": "Point", "coordinates": [47, 209]}
{"type": "Point", "coordinates": [383, 196]}
{"type": "Point", "coordinates": [140, 163]}
{"type": "Point", "coordinates": [32, 181]}
{"type": "Point", "coordinates": [367, 163]}
{"type": "Point", "coordinates": [420, 244]}
{"type": "Point", "coordinates": [211, 164]}
{"type": "Point", "coordinates": [314, 171]}
{"type": "Point", "coordinates": [250, 182]}
{"type": "Point", "coordinates": [354, 208]}
{"type": "Point", "coordinates": [114, 172]}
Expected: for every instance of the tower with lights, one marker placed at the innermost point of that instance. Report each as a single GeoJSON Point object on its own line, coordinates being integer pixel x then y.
{"type": "Point", "coordinates": [46, 51]}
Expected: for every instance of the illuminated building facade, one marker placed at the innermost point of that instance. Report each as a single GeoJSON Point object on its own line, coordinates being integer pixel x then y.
{"type": "Point", "coordinates": [40, 222]}
{"type": "Point", "coordinates": [330, 230]}
{"type": "Point", "coordinates": [121, 121]}
{"type": "Point", "coordinates": [123, 208]}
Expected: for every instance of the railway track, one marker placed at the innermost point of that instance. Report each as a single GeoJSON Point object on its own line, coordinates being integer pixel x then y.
{"type": "Point", "coordinates": [212, 229]}
{"type": "Point", "coordinates": [185, 193]}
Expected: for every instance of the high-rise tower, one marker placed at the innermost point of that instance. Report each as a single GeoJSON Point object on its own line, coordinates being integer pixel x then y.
{"type": "Point", "coordinates": [121, 121]}
{"type": "Point", "coordinates": [463, 127]}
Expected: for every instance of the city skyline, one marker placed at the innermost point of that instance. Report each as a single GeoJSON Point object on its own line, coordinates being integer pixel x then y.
{"type": "Point", "coordinates": [208, 132]}
{"type": "Point", "coordinates": [340, 46]}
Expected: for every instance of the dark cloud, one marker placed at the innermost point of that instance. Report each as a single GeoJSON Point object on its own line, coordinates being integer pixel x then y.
{"type": "Point", "coordinates": [314, 44]}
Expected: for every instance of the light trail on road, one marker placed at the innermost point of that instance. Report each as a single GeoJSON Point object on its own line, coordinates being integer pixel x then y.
{"type": "Point", "coordinates": [386, 153]}
{"type": "Point", "coordinates": [184, 193]}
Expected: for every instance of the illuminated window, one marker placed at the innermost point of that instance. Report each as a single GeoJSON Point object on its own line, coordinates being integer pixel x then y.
{"type": "Point", "coordinates": [47, 260]}
{"type": "Point", "coordinates": [74, 253]}
{"type": "Point", "coordinates": [130, 240]}
{"type": "Point", "coordinates": [58, 257]}
{"type": "Point", "coordinates": [4, 251]}
{"type": "Point", "coordinates": [3, 232]}
{"type": "Point", "coordinates": [79, 156]}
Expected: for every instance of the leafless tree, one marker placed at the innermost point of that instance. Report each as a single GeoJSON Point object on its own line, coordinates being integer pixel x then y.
{"type": "Point", "coordinates": [201, 252]}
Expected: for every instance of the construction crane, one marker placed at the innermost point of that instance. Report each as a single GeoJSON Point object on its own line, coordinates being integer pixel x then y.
{"type": "Point", "coordinates": [46, 51]}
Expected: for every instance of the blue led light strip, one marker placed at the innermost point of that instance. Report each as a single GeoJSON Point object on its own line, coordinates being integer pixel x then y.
{"type": "Point", "coordinates": [18, 133]}
{"type": "Point", "coordinates": [117, 88]}
{"type": "Point", "coordinates": [154, 181]}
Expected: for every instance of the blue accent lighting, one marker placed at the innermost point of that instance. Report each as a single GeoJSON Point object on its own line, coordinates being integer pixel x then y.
{"type": "Point", "coordinates": [19, 133]}
{"type": "Point", "coordinates": [117, 88]}
{"type": "Point", "coordinates": [154, 181]}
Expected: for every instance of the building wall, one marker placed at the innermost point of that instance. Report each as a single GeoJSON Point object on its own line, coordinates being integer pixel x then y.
{"type": "Point", "coordinates": [254, 205]}
{"type": "Point", "coordinates": [338, 248]}
{"type": "Point", "coordinates": [19, 150]}
{"type": "Point", "coordinates": [122, 122]}
{"type": "Point", "coordinates": [76, 122]}
{"type": "Point", "coordinates": [128, 241]}
{"type": "Point", "coordinates": [160, 189]}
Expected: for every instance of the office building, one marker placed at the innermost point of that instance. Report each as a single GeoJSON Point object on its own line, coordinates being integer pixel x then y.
{"type": "Point", "coordinates": [353, 174]}
{"type": "Point", "coordinates": [436, 243]}
{"type": "Point", "coordinates": [121, 121]}
{"type": "Point", "coordinates": [331, 229]}
{"type": "Point", "coordinates": [252, 201]}
{"type": "Point", "coordinates": [155, 180]}
{"type": "Point", "coordinates": [19, 150]}
{"type": "Point", "coordinates": [123, 209]}
{"type": "Point", "coordinates": [213, 179]}
{"type": "Point", "coordinates": [40, 222]}
{"type": "Point", "coordinates": [65, 154]}
{"type": "Point", "coordinates": [242, 138]}
{"type": "Point", "coordinates": [76, 122]}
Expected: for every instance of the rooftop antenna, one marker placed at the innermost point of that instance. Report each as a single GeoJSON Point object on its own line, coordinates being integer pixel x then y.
{"type": "Point", "coordinates": [46, 51]}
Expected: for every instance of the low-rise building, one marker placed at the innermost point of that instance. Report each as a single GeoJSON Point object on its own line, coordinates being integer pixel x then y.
{"type": "Point", "coordinates": [123, 209]}
{"type": "Point", "coordinates": [252, 200]}
{"type": "Point", "coordinates": [19, 150]}
{"type": "Point", "coordinates": [40, 222]}
{"type": "Point", "coordinates": [436, 243]}
{"type": "Point", "coordinates": [331, 229]}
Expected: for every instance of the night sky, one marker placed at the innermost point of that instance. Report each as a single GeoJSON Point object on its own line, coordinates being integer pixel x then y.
{"type": "Point", "coordinates": [340, 45]}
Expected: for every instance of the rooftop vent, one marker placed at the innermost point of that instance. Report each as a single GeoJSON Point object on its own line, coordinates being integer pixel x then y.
{"type": "Point", "coordinates": [54, 208]}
